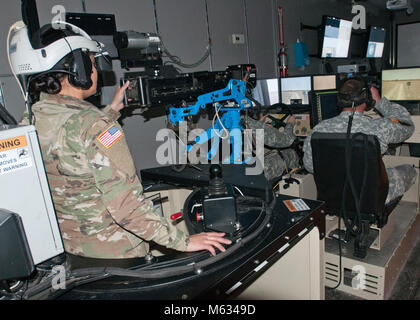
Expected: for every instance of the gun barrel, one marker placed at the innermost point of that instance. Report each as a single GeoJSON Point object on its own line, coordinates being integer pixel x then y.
{"type": "Point", "coordinates": [283, 108]}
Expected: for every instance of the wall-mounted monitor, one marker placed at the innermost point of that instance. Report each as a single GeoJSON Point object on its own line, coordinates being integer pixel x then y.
{"type": "Point", "coordinates": [401, 84]}
{"type": "Point", "coordinates": [408, 45]}
{"type": "Point", "coordinates": [295, 90]}
{"type": "Point", "coordinates": [267, 92]}
{"type": "Point", "coordinates": [376, 42]}
{"type": "Point", "coordinates": [324, 82]}
{"type": "Point", "coordinates": [335, 35]}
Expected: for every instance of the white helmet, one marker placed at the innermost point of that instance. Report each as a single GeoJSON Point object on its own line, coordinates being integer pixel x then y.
{"type": "Point", "coordinates": [26, 60]}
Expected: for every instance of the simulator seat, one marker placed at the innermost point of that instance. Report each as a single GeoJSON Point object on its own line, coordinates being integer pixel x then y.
{"type": "Point", "coordinates": [354, 187]}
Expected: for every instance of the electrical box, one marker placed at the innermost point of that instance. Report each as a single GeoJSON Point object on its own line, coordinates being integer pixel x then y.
{"type": "Point", "coordinates": [353, 68]}
{"type": "Point", "coordinates": [220, 211]}
{"type": "Point", "coordinates": [238, 38]}
{"type": "Point", "coordinates": [24, 190]}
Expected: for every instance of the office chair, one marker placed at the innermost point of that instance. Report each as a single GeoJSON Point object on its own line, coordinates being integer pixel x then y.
{"type": "Point", "coordinates": [354, 187]}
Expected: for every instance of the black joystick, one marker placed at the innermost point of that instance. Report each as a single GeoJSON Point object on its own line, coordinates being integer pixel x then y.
{"type": "Point", "coordinates": [217, 185]}
{"type": "Point", "coordinates": [219, 204]}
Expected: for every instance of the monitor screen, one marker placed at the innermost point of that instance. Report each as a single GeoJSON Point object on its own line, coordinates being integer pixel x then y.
{"type": "Point", "coordinates": [295, 90]}
{"type": "Point", "coordinates": [376, 42]}
{"type": "Point", "coordinates": [325, 106]}
{"type": "Point", "coordinates": [408, 45]}
{"type": "Point", "coordinates": [336, 38]}
{"type": "Point", "coordinates": [266, 91]}
{"type": "Point", "coordinates": [401, 84]}
{"type": "Point", "coordinates": [324, 82]}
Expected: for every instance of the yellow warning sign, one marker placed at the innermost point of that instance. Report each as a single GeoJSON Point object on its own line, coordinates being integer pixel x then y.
{"type": "Point", "coordinates": [13, 143]}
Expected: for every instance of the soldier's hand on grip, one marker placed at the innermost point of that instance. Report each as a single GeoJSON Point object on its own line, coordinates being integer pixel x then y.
{"type": "Point", "coordinates": [207, 241]}
{"type": "Point", "coordinates": [117, 103]}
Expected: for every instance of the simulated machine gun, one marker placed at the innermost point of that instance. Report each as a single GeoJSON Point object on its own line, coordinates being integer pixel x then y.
{"type": "Point", "coordinates": [231, 101]}
{"type": "Point", "coordinates": [279, 108]}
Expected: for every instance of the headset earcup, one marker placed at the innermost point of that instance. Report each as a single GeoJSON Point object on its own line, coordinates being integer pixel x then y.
{"type": "Point", "coordinates": [81, 67]}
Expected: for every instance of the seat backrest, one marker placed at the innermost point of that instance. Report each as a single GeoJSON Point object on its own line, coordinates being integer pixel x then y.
{"type": "Point", "coordinates": [329, 161]}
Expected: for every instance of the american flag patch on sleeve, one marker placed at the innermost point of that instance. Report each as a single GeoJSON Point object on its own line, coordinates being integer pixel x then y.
{"type": "Point", "coordinates": [110, 136]}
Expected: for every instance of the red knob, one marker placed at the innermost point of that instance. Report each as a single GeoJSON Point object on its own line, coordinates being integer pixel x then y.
{"type": "Point", "coordinates": [176, 215]}
{"type": "Point", "coordinates": [199, 217]}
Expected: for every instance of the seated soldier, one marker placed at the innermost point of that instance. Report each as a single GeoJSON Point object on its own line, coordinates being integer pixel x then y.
{"type": "Point", "coordinates": [97, 195]}
{"type": "Point", "coordinates": [276, 161]}
{"type": "Point", "coordinates": [395, 126]}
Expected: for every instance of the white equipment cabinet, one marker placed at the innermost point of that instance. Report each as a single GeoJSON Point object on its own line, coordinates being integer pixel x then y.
{"type": "Point", "coordinates": [24, 190]}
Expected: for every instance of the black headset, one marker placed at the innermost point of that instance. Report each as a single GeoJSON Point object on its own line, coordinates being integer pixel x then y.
{"type": "Point", "coordinates": [354, 99]}
{"type": "Point", "coordinates": [79, 66]}
{"type": "Point", "coordinates": [80, 69]}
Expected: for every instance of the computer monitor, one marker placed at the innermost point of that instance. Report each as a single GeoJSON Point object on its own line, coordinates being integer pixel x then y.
{"type": "Point", "coordinates": [295, 90]}
{"type": "Point", "coordinates": [324, 106]}
{"type": "Point", "coordinates": [324, 82]}
{"type": "Point", "coordinates": [266, 91]}
{"type": "Point", "coordinates": [401, 84]}
{"type": "Point", "coordinates": [376, 42]}
{"type": "Point", "coordinates": [408, 46]}
{"type": "Point", "coordinates": [336, 37]}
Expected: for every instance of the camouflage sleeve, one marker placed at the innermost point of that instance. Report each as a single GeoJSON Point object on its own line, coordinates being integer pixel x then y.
{"type": "Point", "coordinates": [273, 137]}
{"type": "Point", "coordinates": [25, 119]}
{"type": "Point", "coordinates": [307, 153]}
{"type": "Point", "coordinates": [122, 193]}
{"type": "Point", "coordinates": [397, 123]}
{"type": "Point", "coordinates": [114, 115]}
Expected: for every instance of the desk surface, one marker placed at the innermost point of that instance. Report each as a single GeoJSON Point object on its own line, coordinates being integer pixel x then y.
{"type": "Point", "coordinates": [219, 280]}
{"type": "Point", "coordinates": [232, 173]}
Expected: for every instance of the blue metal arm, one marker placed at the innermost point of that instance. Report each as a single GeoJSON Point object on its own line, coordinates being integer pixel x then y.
{"type": "Point", "coordinates": [230, 119]}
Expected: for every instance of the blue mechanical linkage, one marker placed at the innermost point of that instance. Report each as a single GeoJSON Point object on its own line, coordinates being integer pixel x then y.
{"type": "Point", "coordinates": [235, 90]}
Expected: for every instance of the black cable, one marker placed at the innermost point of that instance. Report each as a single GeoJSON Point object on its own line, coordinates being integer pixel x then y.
{"type": "Point", "coordinates": [342, 211]}
{"type": "Point", "coordinates": [6, 116]}
{"type": "Point", "coordinates": [357, 200]}
{"type": "Point", "coordinates": [348, 149]}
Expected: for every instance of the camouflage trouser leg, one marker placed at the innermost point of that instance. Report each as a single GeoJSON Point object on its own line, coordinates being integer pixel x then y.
{"type": "Point", "coordinates": [273, 165]}
{"type": "Point", "coordinates": [291, 158]}
{"type": "Point", "coordinates": [401, 178]}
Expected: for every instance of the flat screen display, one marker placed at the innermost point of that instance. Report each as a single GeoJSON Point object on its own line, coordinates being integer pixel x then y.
{"type": "Point", "coordinates": [376, 42]}
{"type": "Point", "coordinates": [401, 84]}
{"type": "Point", "coordinates": [336, 38]}
{"type": "Point", "coordinates": [324, 106]}
{"type": "Point", "coordinates": [324, 82]}
{"type": "Point", "coordinates": [267, 92]}
{"type": "Point", "coordinates": [408, 45]}
{"type": "Point", "coordinates": [295, 90]}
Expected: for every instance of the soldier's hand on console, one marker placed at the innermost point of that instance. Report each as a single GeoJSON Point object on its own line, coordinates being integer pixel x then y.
{"type": "Point", "coordinates": [117, 103]}
{"type": "Point", "coordinates": [207, 241]}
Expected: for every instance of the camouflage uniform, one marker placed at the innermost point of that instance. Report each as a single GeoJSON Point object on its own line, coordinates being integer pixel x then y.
{"type": "Point", "coordinates": [275, 162]}
{"type": "Point", "coordinates": [97, 195]}
{"type": "Point", "coordinates": [402, 177]}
